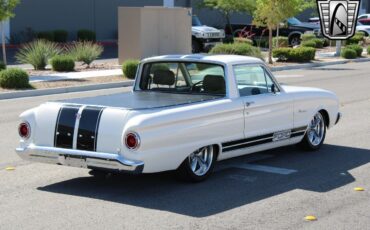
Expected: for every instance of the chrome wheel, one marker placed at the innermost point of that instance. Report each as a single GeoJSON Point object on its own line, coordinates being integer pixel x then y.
{"type": "Point", "coordinates": [316, 130]}
{"type": "Point", "coordinates": [201, 160]}
{"type": "Point", "coordinates": [295, 41]}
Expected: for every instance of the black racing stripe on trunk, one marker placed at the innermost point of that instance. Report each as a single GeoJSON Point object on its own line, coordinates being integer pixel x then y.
{"type": "Point", "coordinates": [65, 127]}
{"type": "Point", "coordinates": [87, 136]}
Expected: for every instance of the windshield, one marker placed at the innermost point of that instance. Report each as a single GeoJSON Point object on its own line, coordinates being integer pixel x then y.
{"type": "Point", "coordinates": [183, 77]}
{"type": "Point", "coordinates": [196, 21]}
{"type": "Point", "coordinates": [293, 21]}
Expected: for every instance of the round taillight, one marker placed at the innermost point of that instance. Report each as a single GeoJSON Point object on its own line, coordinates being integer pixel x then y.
{"type": "Point", "coordinates": [24, 130]}
{"type": "Point", "coordinates": [132, 140]}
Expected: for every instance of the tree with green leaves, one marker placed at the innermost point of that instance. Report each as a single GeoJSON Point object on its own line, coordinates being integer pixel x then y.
{"type": "Point", "coordinates": [6, 12]}
{"type": "Point", "coordinates": [270, 13]}
{"type": "Point", "coordinates": [227, 7]}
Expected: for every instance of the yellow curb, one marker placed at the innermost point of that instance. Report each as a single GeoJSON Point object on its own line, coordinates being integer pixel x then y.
{"type": "Point", "coordinates": [310, 218]}
{"type": "Point", "coordinates": [10, 168]}
{"type": "Point", "coordinates": [359, 189]}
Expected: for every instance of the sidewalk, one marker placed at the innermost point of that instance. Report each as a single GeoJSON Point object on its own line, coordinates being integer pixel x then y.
{"type": "Point", "coordinates": [75, 75]}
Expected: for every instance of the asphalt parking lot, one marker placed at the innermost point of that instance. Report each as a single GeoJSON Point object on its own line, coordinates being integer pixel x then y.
{"type": "Point", "coordinates": [274, 189]}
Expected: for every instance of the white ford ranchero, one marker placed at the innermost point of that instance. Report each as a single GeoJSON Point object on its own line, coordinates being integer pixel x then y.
{"type": "Point", "coordinates": [184, 113]}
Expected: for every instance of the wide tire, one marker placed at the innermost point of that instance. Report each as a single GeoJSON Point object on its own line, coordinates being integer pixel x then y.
{"type": "Point", "coordinates": [196, 46]}
{"type": "Point", "coordinates": [199, 165]}
{"type": "Point", "coordinates": [315, 134]}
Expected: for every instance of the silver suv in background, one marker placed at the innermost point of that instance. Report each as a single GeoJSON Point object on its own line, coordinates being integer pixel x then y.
{"type": "Point", "coordinates": [204, 37]}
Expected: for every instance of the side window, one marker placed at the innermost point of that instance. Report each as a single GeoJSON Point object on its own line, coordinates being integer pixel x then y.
{"type": "Point", "coordinates": [252, 80]}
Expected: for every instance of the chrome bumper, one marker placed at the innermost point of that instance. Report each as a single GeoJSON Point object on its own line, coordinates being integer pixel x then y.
{"type": "Point", "coordinates": [80, 158]}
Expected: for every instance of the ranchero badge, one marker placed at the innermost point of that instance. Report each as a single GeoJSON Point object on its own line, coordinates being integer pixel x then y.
{"type": "Point", "coordinates": [338, 18]}
{"type": "Point", "coordinates": [281, 135]}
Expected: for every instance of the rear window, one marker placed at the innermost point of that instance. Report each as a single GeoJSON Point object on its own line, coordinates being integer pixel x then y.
{"type": "Point", "coordinates": [183, 77]}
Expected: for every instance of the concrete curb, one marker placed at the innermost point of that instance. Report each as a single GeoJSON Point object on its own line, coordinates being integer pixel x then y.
{"type": "Point", "coordinates": [309, 65]}
{"type": "Point", "coordinates": [42, 92]}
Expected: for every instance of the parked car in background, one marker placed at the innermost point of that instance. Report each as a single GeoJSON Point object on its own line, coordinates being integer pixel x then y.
{"type": "Point", "coordinates": [363, 27]}
{"type": "Point", "coordinates": [185, 113]}
{"type": "Point", "coordinates": [315, 20]}
{"type": "Point", "coordinates": [364, 21]}
{"type": "Point", "coordinates": [293, 29]}
{"type": "Point", "coordinates": [204, 37]}
{"type": "Point", "coordinates": [363, 16]}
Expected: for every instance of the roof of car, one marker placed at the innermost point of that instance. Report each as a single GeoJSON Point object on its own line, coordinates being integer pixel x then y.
{"type": "Point", "coordinates": [226, 59]}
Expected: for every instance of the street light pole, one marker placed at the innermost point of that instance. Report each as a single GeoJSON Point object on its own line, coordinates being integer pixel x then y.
{"type": "Point", "coordinates": [338, 45]}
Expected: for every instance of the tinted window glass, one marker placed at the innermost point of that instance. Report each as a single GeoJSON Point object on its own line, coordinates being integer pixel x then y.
{"type": "Point", "coordinates": [252, 80]}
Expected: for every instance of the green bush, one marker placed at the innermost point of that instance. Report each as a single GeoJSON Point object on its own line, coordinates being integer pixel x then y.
{"type": "Point", "coordinates": [238, 49]}
{"type": "Point", "coordinates": [261, 42]}
{"type": "Point", "coordinates": [368, 50]}
{"type": "Point", "coordinates": [300, 54]}
{"type": "Point", "coordinates": [309, 43]}
{"type": "Point", "coordinates": [243, 40]}
{"type": "Point", "coordinates": [348, 53]}
{"type": "Point", "coordinates": [85, 52]}
{"type": "Point", "coordinates": [37, 53]}
{"type": "Point", "coordinates": [283, 42]}
{"type": "Point", "coordinates": [2, 66]}
{"type": "Point", "coordinates": [359, 36]}
{"type": "Point", "coordinates": [86, 35]}
{"type": "Point", "coordinates": [14, 78]}
{"type": "Point", "coordinates": [307, 37]}
{"type": "Point", "coordinates": [319, 43]}
{"type": "Point", "coordinates": [356, 48]}
{"type": "Point", "coordinates": [62, 63]}
{"type": "Point", "coordinates": [129, 68]}
{"type": "Point", "coordinates": [47, 35]}
{"type": "Point", "coordinates": [60, 36]}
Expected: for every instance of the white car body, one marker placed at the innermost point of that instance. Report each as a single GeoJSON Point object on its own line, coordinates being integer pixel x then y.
{"type": "Point", "coordinates": [173, 126]}
{"type": "Point", "coordinates": [363, 28]}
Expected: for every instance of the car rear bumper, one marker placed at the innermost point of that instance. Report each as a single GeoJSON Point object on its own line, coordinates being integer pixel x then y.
{"type": "Point", "coordinates": [80, 159]}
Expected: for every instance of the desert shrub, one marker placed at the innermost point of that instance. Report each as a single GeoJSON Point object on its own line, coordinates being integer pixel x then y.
{"type": "Point", "coordinates": [86, 35]}
{"type": "Point", "coordinates": [283, 42]}
{"type": "Point", "coordinates": [85, 52]}
{"type": "Point", "coordinates": [261, 42]}
{"type": "Point", "coordinates": [309, 43]}
{"type": "Point", "coordinates": [238, 49]}
{"type": "Point", "coordinates": [319, 43]}
{"type": "Point", "coordinates": [159, 66]}
{"type": "Point", "coordinates": [307, 37]}
{"type": "Point", "coordinates": [129, 68]}
{"type": "Point", "coordinates": [243, 40]}
{"type": "Point", "coordinates": [358, 37]}
{"type": "Point", "coordinates": [14, 78]}
{"type": "Point", "coordinates": [348, 53]}
{"type": "Point", "coordinates": [356, 48]}
{"type": "Point", "coordinates": [2, 66]}
{"type": "Point", "coordinates": [300, 54]}
{"type": "Point", "coordinates": [62, 63]}
{"type": "Point", "coordinates": [47, 35]}
{"type": "Point", "coordinates": [60, 36]}
{"type": "Point", "coordinates": [37, 53]}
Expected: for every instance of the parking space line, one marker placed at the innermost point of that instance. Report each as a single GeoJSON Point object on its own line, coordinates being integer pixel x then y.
{"type": "Point", "coordinates": [265, 168]}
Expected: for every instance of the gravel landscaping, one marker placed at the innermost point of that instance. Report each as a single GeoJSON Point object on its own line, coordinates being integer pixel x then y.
{"type": "Point", "coordinates": [73, 82]}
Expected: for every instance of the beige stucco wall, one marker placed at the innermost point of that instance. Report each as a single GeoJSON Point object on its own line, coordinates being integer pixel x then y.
{"type": "Point", "coordinates": [150, 31]}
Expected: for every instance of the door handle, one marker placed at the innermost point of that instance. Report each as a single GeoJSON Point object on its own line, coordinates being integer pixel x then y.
{"type": "Point", "coordinates": [249, 103]}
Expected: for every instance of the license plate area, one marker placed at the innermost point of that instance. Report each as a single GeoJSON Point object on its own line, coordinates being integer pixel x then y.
{"type": "Point", "coordinates": [73, 161]}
